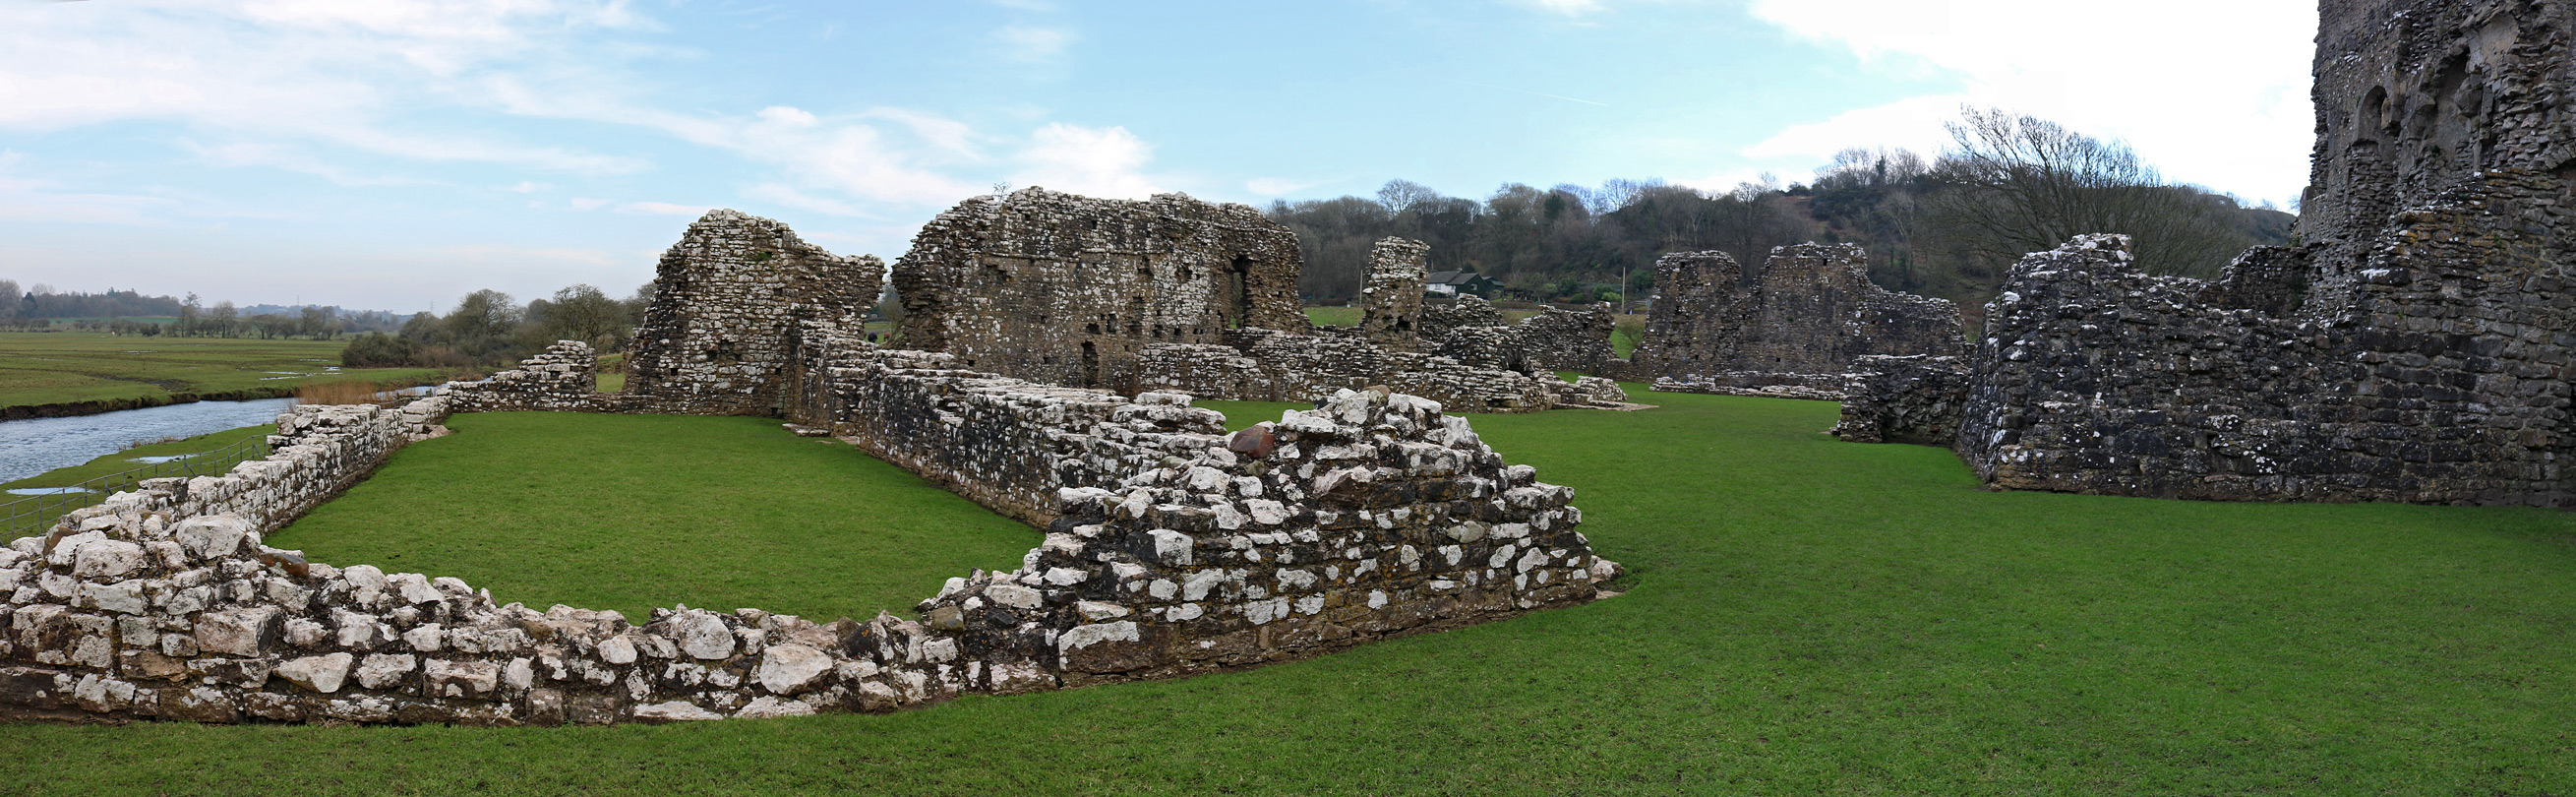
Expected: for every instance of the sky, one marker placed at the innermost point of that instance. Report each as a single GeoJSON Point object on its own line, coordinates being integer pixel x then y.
{"type": "Point", "coordinates": [396, 154]}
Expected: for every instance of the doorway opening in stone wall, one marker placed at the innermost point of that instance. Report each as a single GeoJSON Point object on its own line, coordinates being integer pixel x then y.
{"type": "Point", "coordinates": [1090, 365]}
{"type": "Point", "coordinates": [1235, 291]}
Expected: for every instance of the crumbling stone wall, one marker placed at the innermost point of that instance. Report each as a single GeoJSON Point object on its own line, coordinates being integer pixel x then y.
{"type": "Point", "coordinates": [1391, 302]}
{"type": "Point", "coordinates": [1812, 313]}
{"type": "Point", "coordinates": [1553, 340]}
{"type": "Point", "coordinates": [1766, 384]}
{"type": "Point", "coordinates": [1439, 316]}
{"type": "Point", "coordinates": [1904, 399]}
{"type": "Point", "coordinates": [1070, 290]}
{"type": "Point", "coordinates": [1373, 515]}
{"type": "Point", "coordinates": [1370, 516]}
{"type": "Point", "coordinates": [2411, 350]}
{"type": "Point", "coordinates": [1267, 365]}
{"type": "Point", "coordinates": [1001, 442]}
{"type": "Point", "coordinates": [563, 377]}
{"type": "Point", "coordinates": [726, 297]}
{"type": "Point", "coordinates": [2414, 97]}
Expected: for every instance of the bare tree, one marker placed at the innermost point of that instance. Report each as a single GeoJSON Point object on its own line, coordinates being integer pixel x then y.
{"type": "Point", "coordinates": [2022, 184]}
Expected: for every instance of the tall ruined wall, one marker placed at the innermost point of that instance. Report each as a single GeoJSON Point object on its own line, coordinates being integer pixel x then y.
{"type": "Point", "coordinates": [1391, 302]}
{"type": "Point", "coordinates": [1069, 290]}
{"type": "Point", "coordinates": [1813, 312]}
{"type": "Point", "coordinates": [1695, 315]}
{"type": "Point", "coordinates": [2414, 97]}
{"type": "Point", "coordinates": [715, 338]}
{"type": "Point", "coordinates": [1373, 515]}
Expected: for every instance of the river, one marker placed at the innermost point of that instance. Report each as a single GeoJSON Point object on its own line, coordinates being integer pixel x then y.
{"type": "Point", "coordinates": [36, 445]}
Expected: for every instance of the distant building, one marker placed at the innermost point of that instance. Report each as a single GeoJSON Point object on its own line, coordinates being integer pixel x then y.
{"type": "Point", "coordinates": [1453, 283]}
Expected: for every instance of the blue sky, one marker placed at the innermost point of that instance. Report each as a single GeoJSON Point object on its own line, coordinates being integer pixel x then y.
{"type": "Point", "coordinates": [396, 154]}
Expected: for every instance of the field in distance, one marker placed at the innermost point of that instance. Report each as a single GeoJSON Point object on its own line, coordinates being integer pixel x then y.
{"type": "Point", "coordinates": [120, 371]}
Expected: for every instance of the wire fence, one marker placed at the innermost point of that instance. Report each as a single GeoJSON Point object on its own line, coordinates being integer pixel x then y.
{"type": "Point", "coordinates": [23, 516]}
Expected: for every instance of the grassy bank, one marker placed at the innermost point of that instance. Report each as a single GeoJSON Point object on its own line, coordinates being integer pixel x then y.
{"type": "Point", "coordinates": [111, 372]}
{"type": "Point", "coordinates": [1808, 617]}
{"type": "Point", "coordinates": [629, 512]}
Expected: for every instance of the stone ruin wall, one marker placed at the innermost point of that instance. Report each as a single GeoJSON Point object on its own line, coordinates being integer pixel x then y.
{"type": "Point", "coordinates": [1439, 316]}
{"type": "Point", "coordinates": [1070, 290]}
{"type": "Point", "coordinates": [1267, 365]}
{"type": "Point", "coordinates": [1391, 302]}
{"type": "Point", "coordinates": [1812, 313]}
{"type": "Point", "coordinates": [1175, 550]}
{"type": "Point", "coordinates": [563, 377]}
{"type": "Point", "coordinates": [1555, 339]}
{"type": "Point", "coordinates": [2415, 97]}
{"type": "Point", "coordinates": [2412, 349]}
{"type": "Point", "coordinates": [726, 297]}
{"type": "Point", "coordinates": [1904, 399]}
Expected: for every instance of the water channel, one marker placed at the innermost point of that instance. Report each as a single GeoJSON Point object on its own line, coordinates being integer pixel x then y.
{"type": "Point", "coordinates": [36, 445]}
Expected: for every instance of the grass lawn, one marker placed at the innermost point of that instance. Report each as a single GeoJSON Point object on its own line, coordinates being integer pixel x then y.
{"type": "Point", "coordinates": [1333, 316]}
{"type": "Point", "coordinates": [629, 512]}
{"type": "Point", "coordinates": [58, 367]}
{"type": "Point", "coordinates": [1808, 617]}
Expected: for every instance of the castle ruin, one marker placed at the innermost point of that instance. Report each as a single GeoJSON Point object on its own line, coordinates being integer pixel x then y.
{"type": "Point", "coordinates": [2412, 349]}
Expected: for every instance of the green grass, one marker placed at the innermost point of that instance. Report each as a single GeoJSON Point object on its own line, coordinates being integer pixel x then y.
{"type": "Point", "coordinates": [1333, 316]}
{"type": "Point", "coordinates": [611, 374]}
{"type": "Point", "coordinates": [629, 512]}
{"type": "Point", "coordinates": [1807, 617]}
{"type": "Point", "coordinates": [60, 367]}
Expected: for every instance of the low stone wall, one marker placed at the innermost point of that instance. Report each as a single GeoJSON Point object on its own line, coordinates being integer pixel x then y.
{"type": "Point", "coordinates": [1904, 399]}
{"type": "Point", "coordinates": [1465, 310]}
{"type": "Point", "coordinates": [1267, 365]}
{"type": "Point", "coordinates": [563, 377]}
{"type": "Point", "coordinates": [1818, 387]}
{"type": "Point", "coordinates": [1008, 444]}
{"type": "Point", "coordinates": [1371, 516]}
{"type": "Point", "coordinates": [1592, 392]}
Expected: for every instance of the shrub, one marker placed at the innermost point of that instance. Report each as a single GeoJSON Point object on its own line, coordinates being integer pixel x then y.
{"type": "Point", "coordinates": [379, 350]}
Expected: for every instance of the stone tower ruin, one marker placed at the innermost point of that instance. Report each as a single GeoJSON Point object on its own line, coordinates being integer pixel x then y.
{"type": "Point", "coordinates": [1391, 309]}
{"type": "Point", "coordinates": [1066, 289]}
{"type": "Point", "coordinates": [717, 338]}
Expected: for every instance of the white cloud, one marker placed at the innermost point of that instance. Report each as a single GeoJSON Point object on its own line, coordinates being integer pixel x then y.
{"type": "Point", "coordinates": [273, 79]}
{"type": "Point", "coordinates": [587, 203]}
{"type": "Point", "coordinates": [2213, 92]}
{"type": "Point", "coordinates": [1033, 44]}
{"type": "Point", "coordinates": [1103, 162]}
{"type": "Point", "coordinates": [529, 187]}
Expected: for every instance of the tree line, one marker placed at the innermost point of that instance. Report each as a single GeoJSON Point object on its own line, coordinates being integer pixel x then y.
{"type": "Point", "coordinates": [488, 328]}
{"type": "Point", "coordinates": [1946, 226]}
